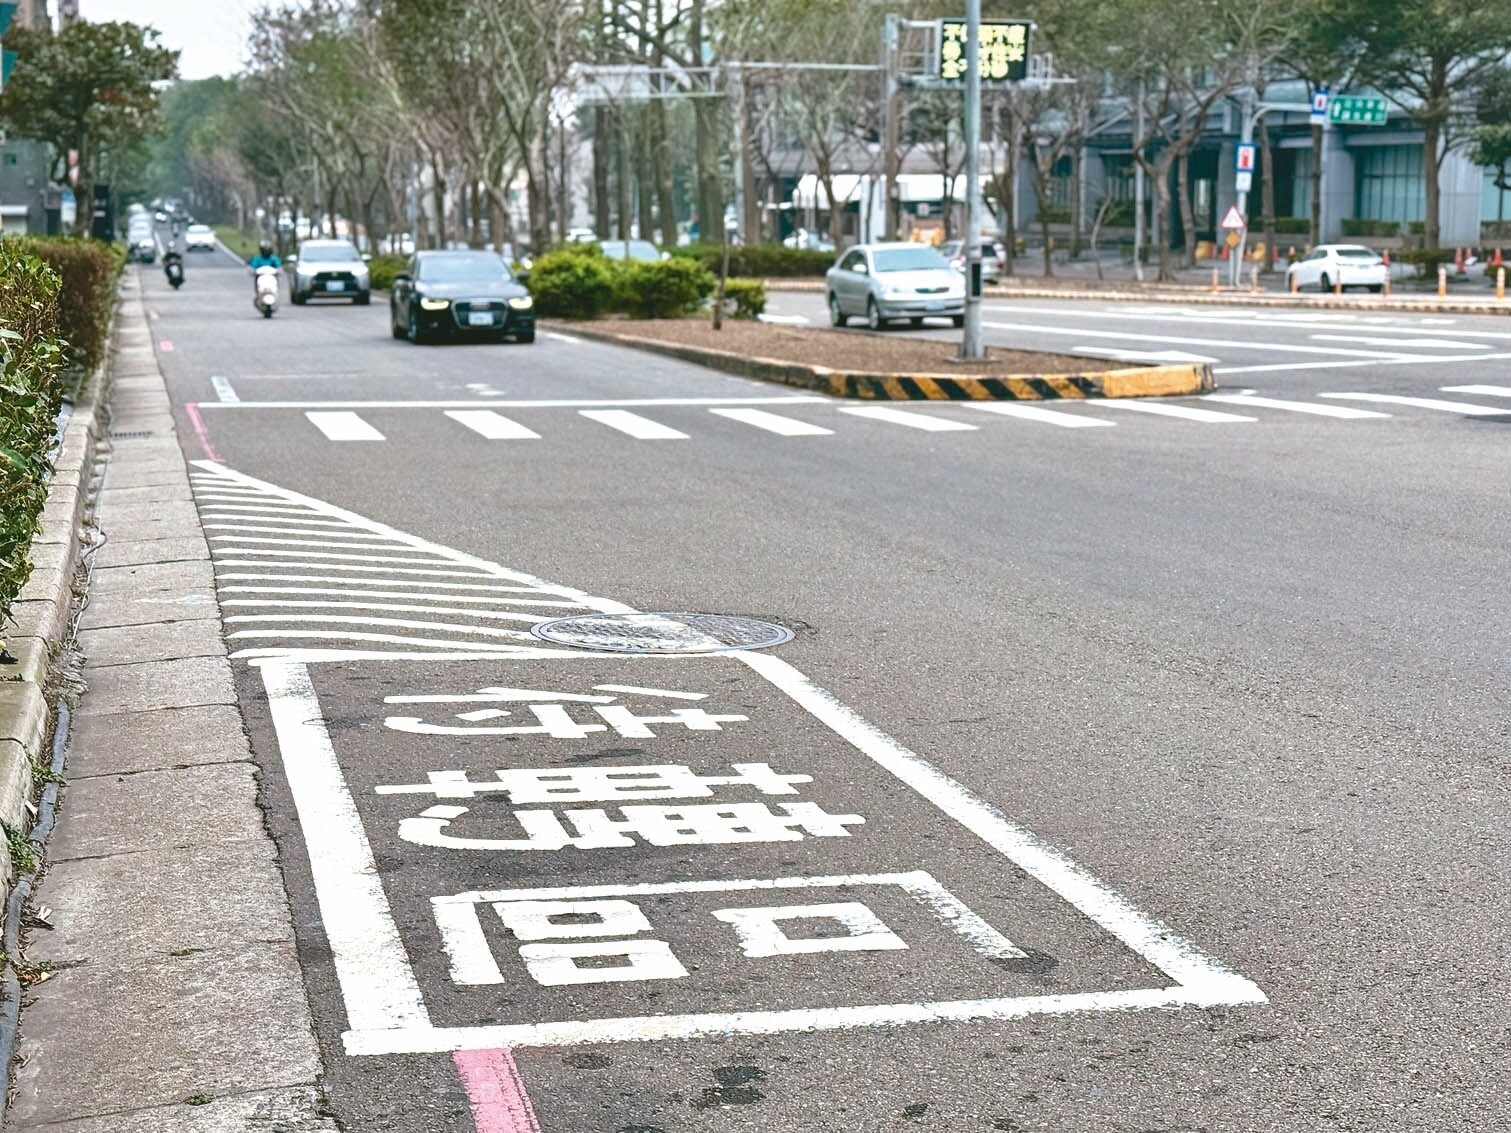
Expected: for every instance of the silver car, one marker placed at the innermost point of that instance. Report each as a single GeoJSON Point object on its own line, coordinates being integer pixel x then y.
{"type": "Point", "coordinates": [885, 282]}
{"type": "Point", "coordinates": [329, 268]}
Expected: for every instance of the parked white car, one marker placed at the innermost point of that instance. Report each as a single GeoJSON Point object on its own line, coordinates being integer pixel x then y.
{"type": "Point", "coordinates": [883, 282]}
{"type": "Point", "coordinates": [1328, 265]}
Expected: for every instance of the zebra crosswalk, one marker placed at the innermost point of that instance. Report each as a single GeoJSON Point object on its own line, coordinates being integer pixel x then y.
{"type": "Point", "coordinates": [817, 417]}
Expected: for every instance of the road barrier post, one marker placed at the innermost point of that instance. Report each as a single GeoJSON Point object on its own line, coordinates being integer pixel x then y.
{"type": "Point", "coordinates": [1338, 283]}
{"type": "Point", "coordinates": [1442, 281]}
{"type": "Point", "coordinates": [1254, 280]}
{"type": "Point", "coordinates": [1215, 284]}
{"type": "Point", "coordinates": [1500, 284]}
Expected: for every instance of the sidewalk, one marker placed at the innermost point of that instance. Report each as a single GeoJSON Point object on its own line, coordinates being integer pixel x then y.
{"type": "Point", "coordinates": [175, 1001]}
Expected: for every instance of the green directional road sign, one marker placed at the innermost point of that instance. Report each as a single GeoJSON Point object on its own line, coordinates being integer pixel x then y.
{"type": "Point", "coordinates": [6, 12]}
{"type": "Point", "coordinates": [1358, 110]}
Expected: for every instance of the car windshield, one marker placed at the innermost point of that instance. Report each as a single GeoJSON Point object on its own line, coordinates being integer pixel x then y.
{"type": "Point", "coordinates": [1355, 253]}
{"type": "Point", "coordinates": [480, 268]}
{"type": "Point", "coordinates": [329, 253]}
{"type": "Point", "coordinates": [907, 259]}
{"type": "Point", "coordinates": [634, 250]}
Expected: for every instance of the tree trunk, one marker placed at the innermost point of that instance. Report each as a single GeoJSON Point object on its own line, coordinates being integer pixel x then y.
{"type": "Point", "coordinates": [1187, 213]}
{"type": "Point", "coordinates": [1267, 196]}
{"type": "Point", "coordinates": [1431, 138]}
{"type": "Point", "coordinates": [645, 176]}
{"type": "Point", "coordinates": [622, 177]}
{"type": "Point", "coordinates": [1314, 232]}
{"type": "Point", "coordinates": [601, 172]}
{"type": "Point", "coordinates": [1042, 179]}
{"type": "Point", "coordinates": [1161, 218]}
{"type": "Point", "coordinates": [1077, 199]}
{"type": "Point", "coordinates": [710, 186]}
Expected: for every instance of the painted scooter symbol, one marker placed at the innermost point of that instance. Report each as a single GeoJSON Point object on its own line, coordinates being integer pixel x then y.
{"type": "Point", "coordinates": [265, 293]}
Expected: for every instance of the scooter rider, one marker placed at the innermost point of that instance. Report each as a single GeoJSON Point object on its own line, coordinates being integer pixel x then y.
{"type": "Point", "coordinates": [173, 267]}
{"type": "Point", "coordinates": [265, 257]}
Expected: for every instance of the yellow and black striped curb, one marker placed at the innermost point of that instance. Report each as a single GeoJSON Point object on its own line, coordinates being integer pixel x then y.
{"type": "Point", "coordinates": [1143, 381]}
{"type": "Point", "coordinates": [1206, 298]}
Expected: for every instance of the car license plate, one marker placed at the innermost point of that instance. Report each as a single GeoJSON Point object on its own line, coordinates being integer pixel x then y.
{"type": "Point", "coordinates": [934, 306]}
{"type": "Point", "coordinates": [480, 319]}
{"type": "Point", "coordinates": [335, 285]}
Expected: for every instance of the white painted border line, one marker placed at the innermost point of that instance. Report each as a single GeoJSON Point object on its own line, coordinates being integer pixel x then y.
{"type": "Point", "coordinates": [584, 403]}
{"type": "Point", "coordinates": [345, 426]}
{"type": "Point", "coordinates": [224, 391]}
{"type": "Point", "coordinates": [1482, 391]}
{"type": "Point", "coordinates": [378, 985]}
{"type": "Point", "coordinates": [1468, 409]}
{"type": "Point", "coordinates": [1342, 412]}
{"type": "Point", "coordinates": [1185, 412]}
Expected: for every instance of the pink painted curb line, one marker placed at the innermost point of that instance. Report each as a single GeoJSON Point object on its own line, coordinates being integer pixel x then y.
{"type": "Point", "coordinates": [496, 1091]}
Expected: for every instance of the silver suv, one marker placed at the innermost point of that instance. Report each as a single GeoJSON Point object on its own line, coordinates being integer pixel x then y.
{"type": "Point", "coordinates": [330, 268]}
{"type": "Point", "coordinates": [883, 282]}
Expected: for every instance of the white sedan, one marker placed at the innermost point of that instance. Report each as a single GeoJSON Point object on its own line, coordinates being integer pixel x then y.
{"type": "Point", "coordinates": [1330, 265]}
{"type": "Point", "coordinates": [200, 238]}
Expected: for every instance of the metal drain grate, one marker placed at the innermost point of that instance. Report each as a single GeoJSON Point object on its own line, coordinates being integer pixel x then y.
{"type": "Point", "coordinates": [131, 435]}
{"type": "Point", "coordinates": [662, 633]}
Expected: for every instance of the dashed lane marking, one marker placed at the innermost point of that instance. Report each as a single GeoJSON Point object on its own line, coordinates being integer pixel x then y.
{"type": "Point", "coordinates": [344, 427]}
{"type": "Point", "coordinates": [493, 426]}
{"type": "Point", "coordinates": [223, 388]}
{"type": "Point", "coordinates": [1044, 416]}
{"type": "Point", "coordinates": [634, 425]}
{"type": "Point", "coordinates": [1341, 412]}
{"type": "Point", "coordinates": [1468, 409]}
{"type": "Point", "coordinates": [911, 420]}
{"type": "Point", "coordinates": [774, 423]}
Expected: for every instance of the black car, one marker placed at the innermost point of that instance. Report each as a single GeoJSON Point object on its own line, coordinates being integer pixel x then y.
{"type": "Point", "coordinates": [450, 293]}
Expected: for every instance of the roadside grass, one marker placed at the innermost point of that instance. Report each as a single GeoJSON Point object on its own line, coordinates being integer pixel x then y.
{"type": "Point", "coordinates": [244, 244]}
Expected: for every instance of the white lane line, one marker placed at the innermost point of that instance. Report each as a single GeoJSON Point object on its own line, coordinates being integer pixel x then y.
{"type": "Point", "coordinates": [1034, 413]}
{"type": "Point", "coordinates": [263, 564]}
{"type": "Point", "coordinates": [634, 425]}
{"type": "Point", "coordinates": [400, 607]}
{"type": "Point", "coordinates": [1185, 412]}
{"type": "Point", "coordinates": [580, 403]}
{"type": "Point", "coordinates": [357, 592]}
{"type": "Point", "coordinates": [1142, 355]}
{"type": "Point", "coordinates": [223, 389]}
{"type": "Point", "coordinates": [1174, 340]}
{"type": "Point", "coordinates": [377, 984]}
{"type": "Point", "coordinates": [774, 423]}
{"type": "Point", "coordinates": [1340, 411]}
{"type": "Point", "coordinates": [1483, 391]}
{"type": "Point", "coordinates": [494, 426]}
{"type": "Point", "coordinates": [922, 421]}
{"type": "Point", "coordinates": [264, 541]}
{"type": "Point", "coordinates": [400, 623]}
{"type": "Point", "coordinates": [473, 647]}
{"type": "Point", "coordinates": [1468, 409]}
{"type": "Point", "coordinates": [1406, 360]}
{"type": "Point", "coordinates": [1249, 318]}
{"type": "Point", "coordinates": [286, 521]}
{"type": "Point", "coordinates": [294, 556]}
{"type": "Point", "coordinates": [557, 337]}
{"type": "Point", "coordinates": [343, 427]}
{"type": "Point", "coordinates": [475, 587]}
{"type": "Point", "coordinates": [308, 538]}
{"type": "Point", "coordinates": [636, 690]}
{"type": "Point", "coordinates": [1419, 343]}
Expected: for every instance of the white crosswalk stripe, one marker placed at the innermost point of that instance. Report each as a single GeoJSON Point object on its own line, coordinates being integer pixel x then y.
{"type": "Point", "coordinates": [343, 426]}
{"type": "Point", "coordinates": [1341, 412]}
{"type": "Point", "coordinates": [924, 421]}
{"type": "Point", "coordinates": [1184, 412]}
{"type": "Point", "coordinates": [1468, 409]}
{"type": "Point", "coordinates": [1044, 416]}
{"type": "Point", "coordinates": [494, 426]}
{"type": "Point", "coordinates": [634, 425]}
{"type": "Point", "coordinates": [774, 422]}
{"type": "Point", "coordinates": [1481, 391]}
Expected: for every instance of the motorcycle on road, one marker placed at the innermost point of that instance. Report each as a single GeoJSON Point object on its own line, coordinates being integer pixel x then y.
{"type": "Point", "coordinates": [173, 268]}
{"type": "Point", "coordinates": [265, 290]}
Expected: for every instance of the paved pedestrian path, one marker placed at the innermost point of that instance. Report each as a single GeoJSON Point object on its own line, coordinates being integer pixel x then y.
{"type": "Point", "coordinates": [174, 1002]}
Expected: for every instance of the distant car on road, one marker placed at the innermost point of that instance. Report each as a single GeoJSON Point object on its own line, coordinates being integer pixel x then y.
{"type": "Point", "coordinates": [141, 242]}
{"type": "Point", "coordinates": [1329, 265]}
{"type": "Point", "coordinates": [199, 238]}
{"type": "Point", "coordinates": [441, 294]}
{"type": "Point", "coordinates": [991, 258]}
{"type": "Point", "coordinates": [808, 241]}
{"type": "Point", "coordinates": [883, 282]}
{"type": "Point", "coordinates": [333, 269]}
{"type": "Point", "coordinates": [642, 250]}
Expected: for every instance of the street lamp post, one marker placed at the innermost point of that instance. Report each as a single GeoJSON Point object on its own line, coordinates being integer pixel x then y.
{"type": "Point", "coordinates": [970, 341]}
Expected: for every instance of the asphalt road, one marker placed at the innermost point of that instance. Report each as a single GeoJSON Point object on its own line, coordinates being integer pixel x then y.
{"type": "Point", "coordinates": [1159, 784]}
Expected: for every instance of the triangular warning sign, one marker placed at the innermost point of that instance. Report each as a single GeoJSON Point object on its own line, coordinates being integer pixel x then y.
{"type": "Point", "coordinates": [1233, 219]}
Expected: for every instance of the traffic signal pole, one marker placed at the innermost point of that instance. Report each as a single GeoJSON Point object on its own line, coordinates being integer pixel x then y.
{"type": "Point", "coordinates": [970, 341]}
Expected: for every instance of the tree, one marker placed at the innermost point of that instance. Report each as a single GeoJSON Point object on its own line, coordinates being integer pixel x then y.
{"type": "Point", "coordinates": [1430, 57]}
{"type": "Point", "coordinates": [1490, 137]}
{"type": "Point", "coordinates": [90, 90]}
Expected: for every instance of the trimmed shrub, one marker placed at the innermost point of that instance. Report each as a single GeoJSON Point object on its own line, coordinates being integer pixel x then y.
{"type": "Point", "coordinates": [31, 393]}
{"type": "Point", "coordinates": [661, 289]}
{"type": "Point", "coordinates": [1293, 225]}
{"type": "Point", "coordinates": [762, 261]}
{"type": "Point", "coordinates": [1426, 260]}
{"type": "Point", "coordinates": [1353, 226]}
{"type": "Point", "coordinates": [745, 298]}
{"type": "Point", "coordinates": [89, 271]}
{"type": "Point", "coordinates": [382, 270]}
{"type": "Point", "coordinates": [572, 282]}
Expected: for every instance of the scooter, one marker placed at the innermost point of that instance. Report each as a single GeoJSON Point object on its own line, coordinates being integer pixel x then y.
{"type": "Point", "coordinates": [173, 268]}
{"type": "Point", "coordinates": [265, 293]}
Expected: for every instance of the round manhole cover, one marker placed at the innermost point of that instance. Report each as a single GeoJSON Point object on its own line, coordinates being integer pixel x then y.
{"type": "Point", "coordinates": [661, 633]}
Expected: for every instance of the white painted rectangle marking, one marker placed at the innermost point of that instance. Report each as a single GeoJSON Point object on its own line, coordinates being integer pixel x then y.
{"type": "Point", "coordinates": [344, 426]}
{"type": "Point", "coordinates": [1468, 409]}
{"type": "Point", "coordinates": [634, 425]}
{"type": "Point", "coordinates": [1184, 412]}
{"type": "Point", "coordinates": [924, 421]}
{"type": "Point", "coordinates": [774, 423]}
{"type": "Point", "coordinates": [1341, 412]}
{"type": "Point", "coordinates": [495, 426]}
{"type": "Point", "coordinates": [1482, 391]}
{"type": "Point", "coordinates": [1045, 416]}
{"type": "Point", "coordinates": [223, 389]}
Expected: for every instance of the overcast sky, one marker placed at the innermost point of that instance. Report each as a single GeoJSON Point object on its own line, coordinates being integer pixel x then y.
{"type": "Point", "coordinates": [211, 34]}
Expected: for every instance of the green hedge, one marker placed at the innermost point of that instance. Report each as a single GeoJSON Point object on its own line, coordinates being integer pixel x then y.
{"type": "Point", "coordinates": [382, 270]}
{"type": "Point", "coordinates": [31, 393]}
{"type": "Point", "coordinates": [745, 298]}
{"type": "Point", "coordinates": [761, 261]}
{"type": "Point", "coordinates": [662, 289]}
{"type": "Point", "coordinates": [1353, 226]}
{"type": "Point", "coordinates": [1293, 225]}
{"type": "Point", "coordinates": [89, 271]}
{"type": "Point", "coordinates": [1426, 260]}
{"type": "Point", "coordinates": [575, 281]}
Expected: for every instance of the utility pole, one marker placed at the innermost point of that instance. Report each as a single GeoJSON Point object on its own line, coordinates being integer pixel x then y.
{"type": "Point", "coordinates": [970, 341]}
{"type": "Point", "coordinates": [890, 106]}
{"type": "Point", "coordinates": [1138, 187]}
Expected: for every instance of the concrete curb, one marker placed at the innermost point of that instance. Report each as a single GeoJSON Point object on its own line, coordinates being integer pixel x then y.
{"type": "Point", "coordinates": [1204, 298]}
{"type": "Point", "coordinates": [41, 614]}
{"type": "Point", "coordinates": [1145, 381]}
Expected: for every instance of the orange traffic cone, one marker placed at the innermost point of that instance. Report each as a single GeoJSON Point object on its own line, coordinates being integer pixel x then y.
{"type": "Point", "coordinates": [1497, 261]}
